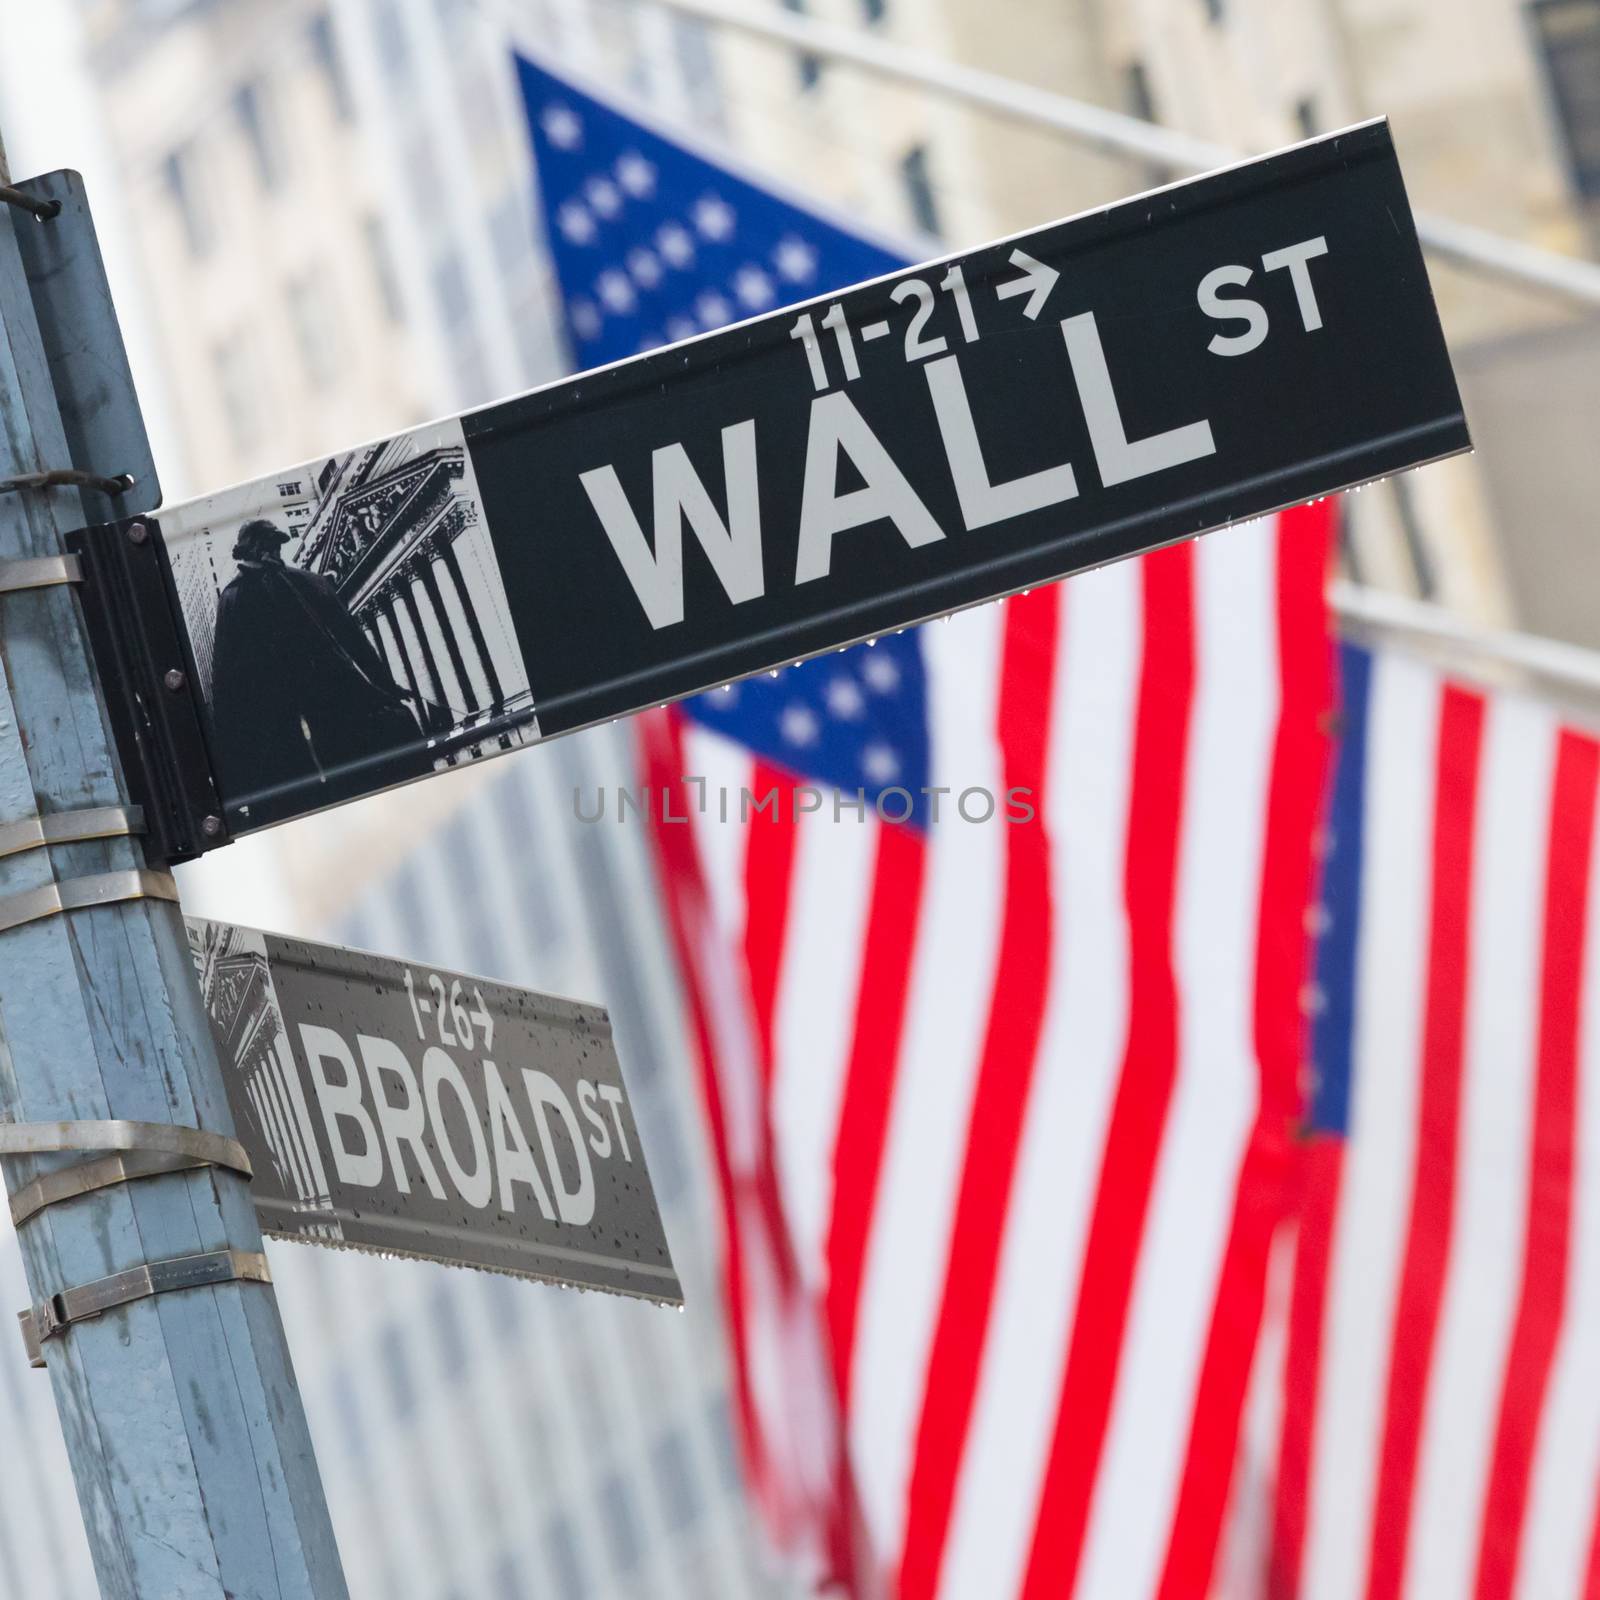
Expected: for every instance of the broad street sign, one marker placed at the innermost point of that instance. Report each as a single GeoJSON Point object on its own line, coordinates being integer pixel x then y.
{"type": "Point", "coordinates": [404, 1110]}
{"type": "Point", "coordinates": [1211, 351]}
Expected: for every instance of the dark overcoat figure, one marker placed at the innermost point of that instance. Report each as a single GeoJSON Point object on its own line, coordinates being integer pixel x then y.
{"type": "Point", "coordinates": [299, 695]}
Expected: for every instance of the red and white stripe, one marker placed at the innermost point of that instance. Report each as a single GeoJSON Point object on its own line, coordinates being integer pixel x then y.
{"type": "Point", "coordinates": [1441, 1393]}
{"type": "Point", "coordinates": [1026, 1093]}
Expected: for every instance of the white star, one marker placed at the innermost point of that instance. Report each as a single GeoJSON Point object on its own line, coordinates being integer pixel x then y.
{"type": "Point", "coordinates": [681, 328]}
{"type": "Point", "coordinates": [753, 287]}
{"type": "Point", "coordinates": [845, 698]}
{"type": "Point", "coordinates": [798, 725]}
{"type": "Point", "coordinates": [604, 196]}
{"type": "Point", "coordinates": [575, 222]}
{"type": "Point", "coordinates": [646, 270]}
{"type": "Point", "coordinates": [714, 217]}
{"type": "Point", "coordinates": [675, 243]}
{"type": "Point", "coordinates": [615, 292]}
{"type": "Point", "coordinates": [636, 175]}
{"type": "Point", "coordinates": [713, 309]}
{"type": "Point", "coordinates": [585, 319]}
{"type": "Point", "coordinates": [561, 126]}
{"type": "Point", "coordinates": [880, 764]}
{"type": "Point", "coordinates": [795, 259]}
{"type": "Point", "coordinates": [881, 673]}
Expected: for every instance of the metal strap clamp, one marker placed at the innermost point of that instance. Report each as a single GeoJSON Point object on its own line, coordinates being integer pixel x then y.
{"type": "Point", "coordinates": [151, 1148]}
{"type": "Point", "coordinates": [70, 827]}
{"type": "Point", "coordinates": [51, 1318]}
{"type": "Point", "coordinates": [39, 572]}
{"type": "Point", "coordinates": [79, 894]}
{"type": "Point", "coordinates": [145, 1150]}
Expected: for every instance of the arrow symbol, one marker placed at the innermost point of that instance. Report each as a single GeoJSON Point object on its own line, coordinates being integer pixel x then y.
{"type": "Point", "coordinates": [1036, 282]}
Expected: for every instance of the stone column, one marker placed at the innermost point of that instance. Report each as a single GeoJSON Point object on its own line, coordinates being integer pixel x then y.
{"type": "Point", "coordinates": [496, 695]}
{"type": "Point", "coordinates": [399, 653]}
{"type": "Point", "coordinates": [431, 585]}
{"type": "Point", "coordinates": [409, 596]}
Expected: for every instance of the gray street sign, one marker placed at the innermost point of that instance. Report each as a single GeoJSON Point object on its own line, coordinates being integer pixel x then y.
{"type": "Point", "coordinates": [401, 1109]}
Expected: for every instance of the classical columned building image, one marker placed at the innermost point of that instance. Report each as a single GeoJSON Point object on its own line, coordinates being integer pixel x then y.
{"type": "Point", "coordinates": [236, 985]}
{"type": "Point", "coordinates": [397, 530]}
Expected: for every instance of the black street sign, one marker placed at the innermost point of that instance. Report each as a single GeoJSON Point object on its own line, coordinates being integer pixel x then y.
{"type": "Point", "coordinates": [1211, 351]}
{"type": "Point", "coordinates": [400, 1109]}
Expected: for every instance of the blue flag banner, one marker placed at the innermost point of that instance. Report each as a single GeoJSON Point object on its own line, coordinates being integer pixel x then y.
{"type": "Point", "coordinates": [652, 243]}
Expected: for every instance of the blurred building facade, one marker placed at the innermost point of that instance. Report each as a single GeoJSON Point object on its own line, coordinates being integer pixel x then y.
{"type": "Point", "coordinates": [331, 202]}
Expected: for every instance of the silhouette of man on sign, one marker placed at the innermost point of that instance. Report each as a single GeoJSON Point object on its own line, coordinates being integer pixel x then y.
{"type": "Point", "coordinates": [304, 708]}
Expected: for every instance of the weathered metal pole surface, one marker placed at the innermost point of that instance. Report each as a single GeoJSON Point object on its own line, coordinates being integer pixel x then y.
{"type": "Point", "coordinates": [187, 1439]}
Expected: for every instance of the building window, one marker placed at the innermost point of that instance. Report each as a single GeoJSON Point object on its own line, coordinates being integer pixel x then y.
{"type": "Point", "coordinates": [447, 1328]}
{"type": "Point", "coordinates": [450, 286]}
{"type": "Point", "coordinates": [183, 188]}
{"type": "Point", "coordinates": [508, 1584]}
{"type": "Point", "coordinates": [348, 1408]}
{"type": "Point", "coordinates": [807, 65]}
{"type": "Point", "coordinates": [394, 51]}
{"type": "Point", "coordinates": [316, 329]}
{"type": "Point", "coordinates": [623, 1539]}
{"type": "Point", "coordinates": [239, 386]}
{"type": "Point", "coordinates": [1568, 32]}
{"type": "Point", "coordinates": [874, 11]}
{"type": "Point", "coordinates": [919, 189]}
{"type": "Point", "coordinates": [675, 1480]}
{"type": "Point", "coordinates": [719, 1419]}
{"type": "Point", "coordinates": [511, 235]}
{"type": "Point", "coordinates": [254, 114]}
{"type": "Point", "coordinates": [383, 269]}
{"type": "Point", "coordinates": [466, 349]}
{"type": "Point", "coordinates": [566, 1565]}
{"type": "Point", "coordinates": [402, 1393]}
{"type": "Point", "coordinates": [1140, 102]}
{"type": "Point", "coordinates": [325, 53]}
{"type": "Point", "coordinates": [1214, 10]}
{"type": "Point", "coordinates": [1306, 118]}
{"type": "Point", "coordinates": [504, 1296]}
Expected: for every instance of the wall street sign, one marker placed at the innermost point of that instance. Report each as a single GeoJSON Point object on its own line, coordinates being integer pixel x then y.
{"type": "Point", "coordinates": [394, 1108]}
{"type": "Point", "coordinates": [1210, 351]}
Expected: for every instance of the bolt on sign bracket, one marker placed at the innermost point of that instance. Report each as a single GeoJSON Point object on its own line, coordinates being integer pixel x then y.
{"type": "Point", "coordinates": [148, 679]}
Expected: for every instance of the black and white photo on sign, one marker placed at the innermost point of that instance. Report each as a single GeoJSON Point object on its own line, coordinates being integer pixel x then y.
{"type": "Point", "coordinates": [348, 624]}
{"type": "Point", "coordinates": [264, 1090]}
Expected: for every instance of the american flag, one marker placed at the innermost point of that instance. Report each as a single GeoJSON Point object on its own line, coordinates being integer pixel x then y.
{"type": "Point", "coordinates": [1005, 1096]}
{"type": "Point", "coordinates": [652, 243]}
{"type": "Point", "coordinates": [1440, 1410]}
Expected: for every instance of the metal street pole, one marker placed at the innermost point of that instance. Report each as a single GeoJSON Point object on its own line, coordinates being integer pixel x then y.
{"type": "Point", "coordinates": [183, 1424]}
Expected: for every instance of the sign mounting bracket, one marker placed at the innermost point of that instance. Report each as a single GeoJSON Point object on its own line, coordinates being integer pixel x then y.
{"type": "Point", "coordinates": [148, 679]}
